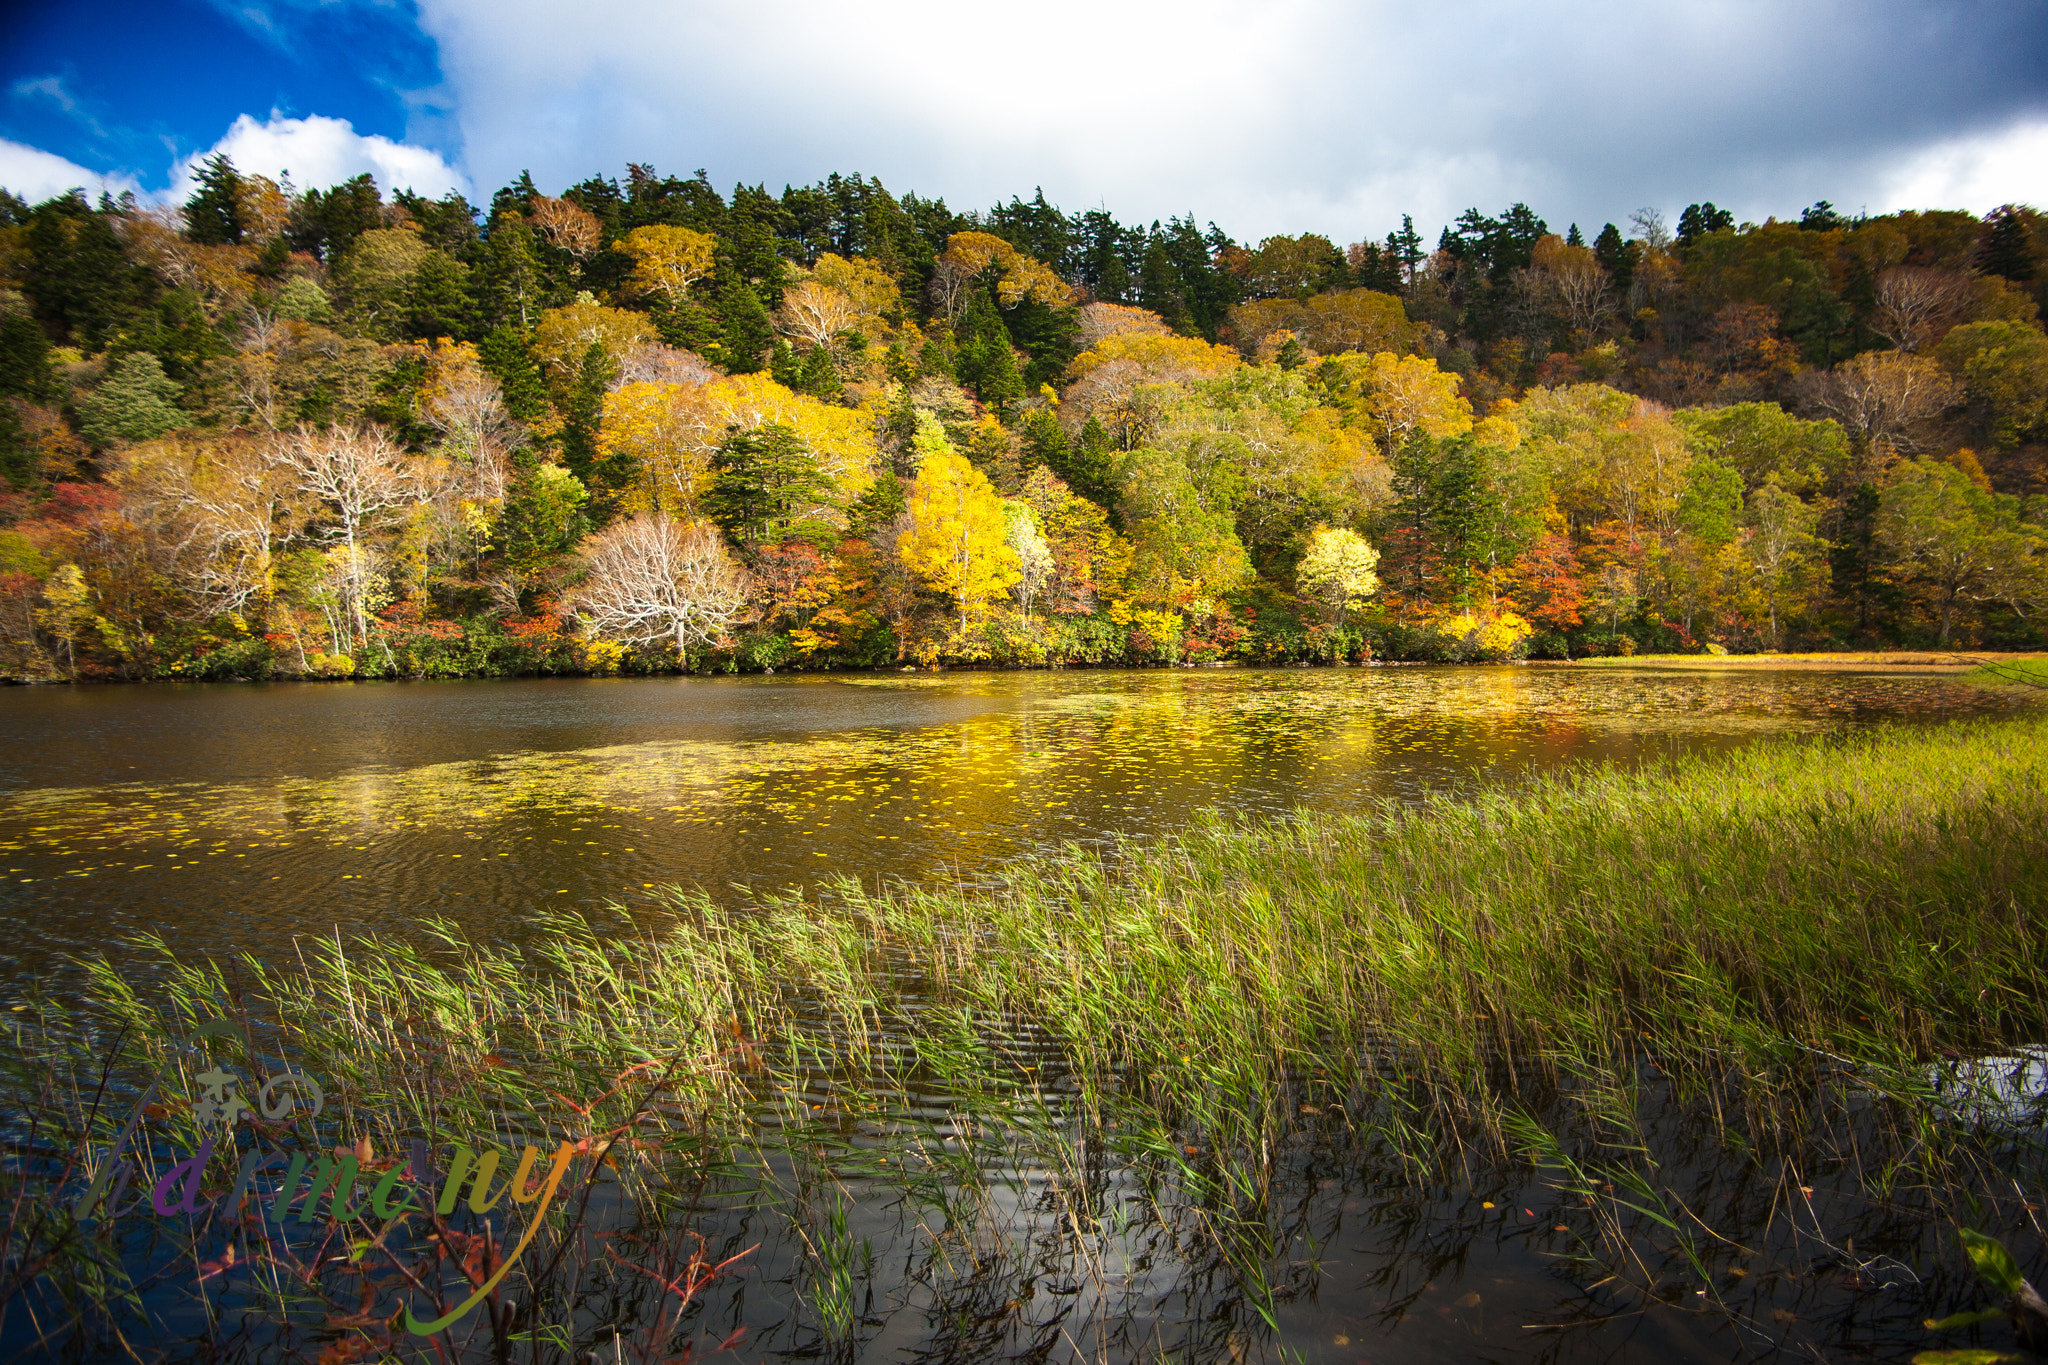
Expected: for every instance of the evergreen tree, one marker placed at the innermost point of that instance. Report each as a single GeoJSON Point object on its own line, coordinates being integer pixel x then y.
{"type": "Point", "coordinates": [784, 366]}
{"type": "Point", "coordinates": [1405, 247]}
{"type": "Point", "coordinates": [327, 224]}
{"type": "Point", "coordinates": [880, 504]}
{"type": "Point", "coordinates": [213, 214]}
{"type": "Point", "coordinates": [766, 484]}
{"type": "Point", "coordinates": [1699, 220]}
{"type": "Point", "coordinates": [511, 286]}
{"type": "Point", "coordinates": [515, 198]}
{"type": "Point", "coordinates": [1379, 269]}
{"type": "Point", "coordinates": [504, 353]}
{"type": "Point", "coordinates": [437, 302]}
{"type": "Point", "coordinates": [582, 415]}
{"type": "Point", "coordinates": [1616, 256]}
{"type": "Point", "coordinates": [818, 376]}
{"type": "Point", "coordinates": [1042, 444]}
{"type": "Point", "coordinates": [985, 361]}
{"type": "Point", "coordinates": [24, 356]}
{"type": "Point", "coordinates": [1087, 465]}
{"type": "Point", "coordinates": [137, 402]}
{"type": "Point", "coordinates": [2008, 249]}
{"type": "Point", "coordinates": [84, 288]}
{"type": "Point", "coordinates": [1159, 286]}
{"type": "Point", "coordinates": [746, 331]}
{"type": "Point", "coordinates": [1820, 218]}
{"type": "Point", "coordinates": [1573, 238]}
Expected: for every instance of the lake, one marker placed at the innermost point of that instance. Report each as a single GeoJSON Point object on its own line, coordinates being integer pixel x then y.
{"type": "Point", "coordinates": [231, 818]}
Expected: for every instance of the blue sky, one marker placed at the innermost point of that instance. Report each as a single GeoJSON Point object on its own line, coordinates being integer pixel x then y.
{"type": "Point", "coordinates": [1289, 115]}
{"type": "Point", "coordinates": [128, 87]}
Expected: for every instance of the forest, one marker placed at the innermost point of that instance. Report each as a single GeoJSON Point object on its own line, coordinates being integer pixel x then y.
{"type": "Point", "coordinates": [641, 426]}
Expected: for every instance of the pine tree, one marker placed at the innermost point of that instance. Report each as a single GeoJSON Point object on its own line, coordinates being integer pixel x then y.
{"type": "Point", "coordinates": [746, 331]}
{"type": "Point", "coordinates": [1615, 255]}
{"type": "Point", "coordinates": [784, 367]}
{"type": "Point", "coordinates": [2008, 249]}
{"type": "Point", "coordinates": [1699, 220]}
{"type": "Point", "coordinates": [582, 414]}
{"type": "Point", "coordinates": [818, 376]}
{"type": "Point", "coordinates": [986, 362]}
{"type": "Point", "coordinates": [1406, 247]}
{"type": "Point", "coordinates": [211, 214]}
{"type": "Point", "coordinates": [504, 354]}
{"type": "Point", "coordinates": [137, 402]}
{"type": "Point", "coordinates": [437, 300]}
{"type": "Point", "coordinates": [766, 484]}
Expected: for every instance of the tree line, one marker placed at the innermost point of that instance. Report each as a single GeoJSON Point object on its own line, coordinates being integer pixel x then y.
{"type": "Point", "coordinates": [642, 425]}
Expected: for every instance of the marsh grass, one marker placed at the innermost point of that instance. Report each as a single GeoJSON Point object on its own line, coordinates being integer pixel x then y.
{"type": "Point", "coordinates": [2030, 672]}
{"type": "Point", "coordinates": [1659, 1004]}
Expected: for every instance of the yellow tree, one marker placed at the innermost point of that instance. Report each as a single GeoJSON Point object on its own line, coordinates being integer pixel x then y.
{"type": "Point", "coordinates": [958, 537]}
{"type": "Point", "coordinates": [668, 260]}
{"type": "Point", "coordinates": [967, 254]}
{"type": "Point", "coordinates": [872, 289]}
{"type": "Point", "coordinates": [564, 334]}
{"type": "Point", "coordinates": [1394, 397]}
{"type": "Point", "coordinates": [652, 428]}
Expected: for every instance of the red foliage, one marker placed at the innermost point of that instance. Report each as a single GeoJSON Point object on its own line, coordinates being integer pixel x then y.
{"type": "Point", "coordinates": [1547, 588]}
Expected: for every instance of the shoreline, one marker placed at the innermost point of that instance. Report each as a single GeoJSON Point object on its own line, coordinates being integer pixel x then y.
{"type": "Point", "coordinates": [1872, 661]}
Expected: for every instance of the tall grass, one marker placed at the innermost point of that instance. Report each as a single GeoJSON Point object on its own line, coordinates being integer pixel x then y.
{"type": "Point", "coordinates": [1876, 897]}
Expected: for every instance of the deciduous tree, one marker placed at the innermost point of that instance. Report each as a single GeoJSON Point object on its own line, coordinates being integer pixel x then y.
{"type": "Point", "coordinates": [958, 539]}
{"type": "Point", "coordinates": [651, 579]}
{"type": "Point", "coordinates": [1337, 570]}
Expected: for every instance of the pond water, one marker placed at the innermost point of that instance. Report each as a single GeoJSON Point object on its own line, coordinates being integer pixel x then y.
{"type": "Point", "coordinates": [232, 818]}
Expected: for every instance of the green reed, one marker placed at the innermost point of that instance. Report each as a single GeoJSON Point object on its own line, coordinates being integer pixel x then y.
{"type": "Point", "coordinates": [1876, 898]}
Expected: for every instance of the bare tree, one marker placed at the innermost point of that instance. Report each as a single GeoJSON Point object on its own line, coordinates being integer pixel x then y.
{"type": "Point", "coordinates": [653, 363]}
{"type": "Point", "coordinates": [815, 313]}
{"type": "Point", "coordinates": [566, 226]}
{"type": "Point", "coordinates": [218, 508]}
{"type": "Point", "coordinates": [651, 579]}
{"type": "Point", "coordinates": [253, 371]}
{"type": "Point", "coordinates": [1650, 228]}
{"type": "Point", "coordinates": [1034, 556]}
{"type": "Point", "coordinates": [1582, 294]}
{"type": "Point", "coordinates": [1915, 304]}
{"type": "Point", "coordinates": [1889, 399]}
{"type": "Point", "coordinates": [364, 483]}
{"type": "Point", "coordinates": [466, 406]}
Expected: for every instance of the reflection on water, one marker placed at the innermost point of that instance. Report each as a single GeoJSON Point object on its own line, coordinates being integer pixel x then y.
{"type": "Point", "coordinates": [231, 818]}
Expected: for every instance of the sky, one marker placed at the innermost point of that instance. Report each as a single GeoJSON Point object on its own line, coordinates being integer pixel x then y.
{"type": "Point", "coordinates": [1284, 116]}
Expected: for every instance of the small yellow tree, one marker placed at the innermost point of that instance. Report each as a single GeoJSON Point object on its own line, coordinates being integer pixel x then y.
{"type": "Point", "coordinates": [1337, 570]}
{"type": "Point", "coordinates": [668, 260]}
{"type": "Point", "coordinates": [958, 537]}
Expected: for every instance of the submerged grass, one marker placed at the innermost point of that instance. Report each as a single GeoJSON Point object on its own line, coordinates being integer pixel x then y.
{"type": "Point", "coordinates": [1499, 977]}
{"type": "Point", "coordinates": [1877, 897]}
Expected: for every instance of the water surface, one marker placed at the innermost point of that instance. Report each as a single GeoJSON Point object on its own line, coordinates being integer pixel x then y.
{"type": "Point", "coordinates": [231, 818]}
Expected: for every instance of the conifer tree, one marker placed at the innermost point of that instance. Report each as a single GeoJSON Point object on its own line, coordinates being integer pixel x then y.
{"type": "Point", "coordinates": [211, 214]}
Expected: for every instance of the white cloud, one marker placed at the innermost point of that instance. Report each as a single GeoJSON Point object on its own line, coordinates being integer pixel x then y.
{"type": "Point", "coordinates": [2006, 166]}
{"type": "Point", "coordinates": [318, 152]}
{"type": "Point", "coordinates": [1330, 115]}
{"type": "Point", "coordinates": [36, 175]}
